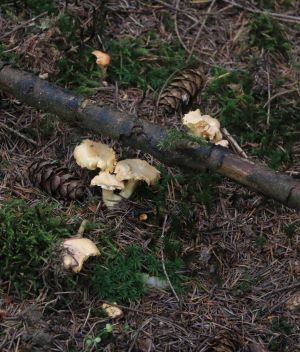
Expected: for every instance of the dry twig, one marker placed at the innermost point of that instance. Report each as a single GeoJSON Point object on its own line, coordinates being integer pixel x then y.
{"type": "Point", "coordinates": [279, 16]}
{"type": "Point", "coordinates": [162, 238]}
{"type": "Point", "coordinates": [234, 143]}
{"type": "Point", "coordinates": [19, 134]}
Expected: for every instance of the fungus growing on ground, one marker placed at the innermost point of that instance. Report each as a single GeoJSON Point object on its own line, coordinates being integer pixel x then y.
{"type": "Point", "coordinates": [109, 183]}
{"type": "Point", "coordinates": [93, 155]}
{"type": "Point", "coordinates": [76, 251]}
{"type": "Point", "coordinates": [204, 126]}
{"type": "Point", "coordinates": [133, 171]}
{"type": "Point", "coordinates": [103, 59]}
{"type": "Point", "coordinates": [112, 311]}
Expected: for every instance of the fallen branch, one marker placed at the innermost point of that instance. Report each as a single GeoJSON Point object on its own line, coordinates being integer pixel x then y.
{"type": "Point", "coordinates": [140, 134]}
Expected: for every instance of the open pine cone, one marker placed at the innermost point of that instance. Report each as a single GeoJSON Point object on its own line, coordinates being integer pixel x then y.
{"type": "Point", "coordinates": [181, 91]}
{"type": "Point", "coordinates": [49, 176]}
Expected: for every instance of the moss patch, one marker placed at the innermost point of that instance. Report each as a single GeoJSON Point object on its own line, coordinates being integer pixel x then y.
{"type": "Point", "coordinates": [27, 237]}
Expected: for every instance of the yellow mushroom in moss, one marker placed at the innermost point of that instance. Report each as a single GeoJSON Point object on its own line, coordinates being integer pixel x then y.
{"type": "Point", "coordinates": [93, 155]}
{"type": "Point", "coordinates": [103, 59]}
{"type": "Point", "coordinates": [204, 126]}
{"type": "Point", "coordinates": [76, 251]}
{"type": "Point", "coordinates": [133, 171]}
{"type": "Point", "coordinates": [109, 183]}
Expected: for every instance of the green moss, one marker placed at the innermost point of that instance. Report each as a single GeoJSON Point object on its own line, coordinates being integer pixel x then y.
{"type": "Point", "coordinates": [244, 115]}
{"type": "Point", "coordinates": [8, 57]}
{"type": "Point", "coordinates": [291, 230]}
{"type": "Point", "coordinates": [47, 126]}
{"type": "Point", "coordinates": [37, 6]}
{"type": "Point", "coordinates": [119, 277]}
{"type": "Point", "coordinates": [282, 325]}
{"type": "Point", "coordinates": [243, 287]}
{"type": "Point", "coordinates": [27, 237]}
{"type": "Point", "coordinates": [267, 34]}
{"type": "Point", "coordinates": [78, 69]}
{"type": "Point", "coordinates": [168, 21]}
{"type": "Point", "coordinates": [80, 72]}
{"type": "Point", "coordinates": [260, 241]}
{"type": "Point", "coordinates": [174, 137]}
{"type": "Point", "coordinates": [276, 344]}
{"type": "Point", "coordinates": [144, 61]}
{"type": "Point", "coordinates": [67, 24]}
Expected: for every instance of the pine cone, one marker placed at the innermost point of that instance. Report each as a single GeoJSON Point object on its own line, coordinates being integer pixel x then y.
{"type": "Point", "coordinates": [224, 342]}
{"type": "Point", "coordinates": [55, 180]}
{"type": "Point", "coordinates": [181, 91]}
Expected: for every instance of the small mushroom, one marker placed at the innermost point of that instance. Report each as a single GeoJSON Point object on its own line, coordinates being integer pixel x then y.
{"type": "Point", "coordinates": [92, 155]}
{"type": "Point", "coordinates": [76, 251]}
{"type": "Point", "coordinates": [223, 143]}
{"type": "Point", "coordinates": [112, 311]}
{"type": "Point", "coordinates": [109, 183]}
{"type": "Point", "coordinates": [133, 171]}
{"type": "Point", "coordinates": [204, 126]}
{"type": "Point", "coordinates": [103, 59]}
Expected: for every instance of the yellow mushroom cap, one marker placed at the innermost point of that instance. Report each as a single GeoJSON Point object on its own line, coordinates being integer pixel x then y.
{"type": "Point", "coordinates": [203, 125]}
{"type": "Point", "coordinates": [138, 170]}
{"type": "Point", "coordinates": [223, 143]}
{"type": "Point", "coordinates": [195, 119]}
{"type": "Point", "coordinates": [112, 311]}
{"type": "Point", "coordinates": [77, 251]}
{"type": "Point", "coordinates": [103, 59]}
{"type": "Point", "coordinates": [107, 181]}
{"type": "Point", "coordinates": [92, 155]}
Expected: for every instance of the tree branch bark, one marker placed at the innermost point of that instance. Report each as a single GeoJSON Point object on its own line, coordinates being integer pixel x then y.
{"type": "Point", "coordinates": [140, 134]}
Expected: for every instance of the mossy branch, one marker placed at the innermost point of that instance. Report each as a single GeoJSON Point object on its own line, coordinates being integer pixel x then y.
{"type": "Point", "coordinates": [173, 138]}
{"type": "Point", "coordinates": [148, 137]}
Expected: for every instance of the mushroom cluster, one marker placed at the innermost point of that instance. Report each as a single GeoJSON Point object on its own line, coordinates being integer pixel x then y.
{"type": "Point", "coordinates": [121, 177]}
{"type": "Point", "coordinates": [204, 126]}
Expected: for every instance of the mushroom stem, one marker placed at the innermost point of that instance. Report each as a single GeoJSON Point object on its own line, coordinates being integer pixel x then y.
{"type": "Point", "coordinates": [81, 229]}
{"type": "Point", "coordinates": [130, 187]}
{"type": "Point", "coordinates": [110, 199]}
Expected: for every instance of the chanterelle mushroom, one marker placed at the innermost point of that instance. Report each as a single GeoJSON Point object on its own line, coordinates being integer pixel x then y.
{"type": "Point", "coordinates": [102, 58]}
{"type": "Point", "coordinates": [204, 126]}
{"type": "Point", "coordinates": [76, 251]}
{"type": "Point", "coordinates": [134, 170]}
{"type": "Point", "coordinates": [112, 311]}
{"type": "Point", "coordinates": [92, 155]}
{"type": "Point", "coordinates": [108, 182]}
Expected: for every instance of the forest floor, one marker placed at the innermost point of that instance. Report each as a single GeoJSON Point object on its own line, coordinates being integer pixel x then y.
{"type": "Point", "coordinates": [231, 255]}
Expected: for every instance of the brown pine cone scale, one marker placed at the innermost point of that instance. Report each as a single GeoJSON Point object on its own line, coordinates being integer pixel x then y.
{"type": "Point", "coordinates": [180, 92]}
{"type": "Point", "coordinates": [55, 180]}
